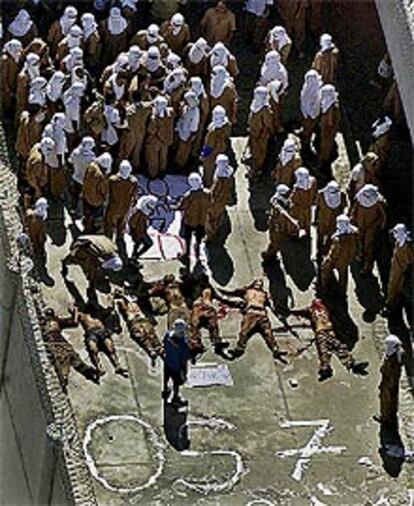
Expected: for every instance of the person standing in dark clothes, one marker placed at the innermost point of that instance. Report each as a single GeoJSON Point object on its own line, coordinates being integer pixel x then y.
{"type": "Point", "coordinates": [177, 354]}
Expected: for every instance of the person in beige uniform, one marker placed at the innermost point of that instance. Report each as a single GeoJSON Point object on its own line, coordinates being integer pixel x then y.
{"type": "Point", "coordinates": [276, 97]}
{"type": "Point", "coordinates": [92, 46]}
{"type": "Point", "coordinates": [187, 126]}
{"type": "Point", "coordinates": [326, 60]}
{"type": "Point", "coordinates": [176, 33]}
{"type": "Point", "coordinates": [381, 142]}
{"type": "Point", "coordinates": [60, 28]}
{"type": "Point", "coordinates": [260, 129]}
{"type": "Point", "coordinates": [42, 158]}
{"type": "Point", "coordinates": [194, 207]}
{"type": "Point", "coordinates": [328, 122]}
{"type": "Point", "coordinates": [95, 191]}
{"type": "Point", "coordinates": [303, 197]}
{"type": "Point", "coordinates": [294, 15]}
{"type": "Point", "coordinates": [30, 71]}
{"type": "Point", "coordinates": [401, 263]}
{"type": "Point", "coordinates": [122, 194]}
{"type": "Point", "coordinates": [138, 224]}
{"type": "Point", "coordinates": [278, 40]}
{"type": "Point", "coordinates": [144, 39]}
{"type": "Point", "coordinates": [73, 39]}
{"type": "Point", "coordinates": [220, 195]}
{"type": "Point", "coordinates": [256, 21]}
{"type": "Point", "coordinates": [114, 35]}
{"type": "Point", "coordinates": [223, 92]}
{"type": "Point", "coordinates": [29, 132]}
{"type": "Point", "coordinates": [330, 203]}
{"type": "Point", "coordinates": [254, 301]}
{"type": "Point", "coordinates": [197, 87]}
{"type": "Point", "coordinates": [218, 24]}
{"type": "Point", "coordinates": [220, 55]}
{"type": "Point", "coordinates": [140, 329]}
{"type": "Point", "coordinates": [289, 160]}
{"type": "Point", "coordinates": [22, 28]}
{"type": "Point", "coordinates": [35, 219]}
{"type": "Point", "coordinates": [368, 214]}
{"type": "Point", "coordinates": [310, 106]}
{"type": "Point", "coordinates": [281, 223]}
{"type": "Point", "coordinates": [95, 255]}
{"type": "Point", "coordinates": [10, 67]}
{"type": "Point", "coordinates": [216, 142]}
{"type": "Point", "coordinates": [63, 355]}
{"type": "Point", "coordinates": [132, 138]}
{"type": "Point", "coordinates": [154, 73]}
{"type": "Point", "coordinates": [160, 136]}
{"type": "Point", "coordinates": [367, 171]}
{"type": "Point", "coordinates": [174, 87]}
{"type": "Point", "coordinates": [342, 251]}
{"type": "Point", "coordinates": [273, 69]}
{"type": "Point", "coordinates": [196, 58]}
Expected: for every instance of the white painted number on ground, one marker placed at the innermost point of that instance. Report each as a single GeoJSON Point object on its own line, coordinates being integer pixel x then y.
{"type": "Point", "coordinates": [313, 446]}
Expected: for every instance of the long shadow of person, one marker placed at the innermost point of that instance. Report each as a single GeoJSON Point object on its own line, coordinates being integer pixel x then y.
{"type": "Point", "coordinates": [368, 293]}
{"type": "Point", "coordinates": [260, 191]}
{"type": "Point", "coordinates": [281, 294]}
{"type": "Point", "coordinates": [297, 262]}
{"type": "Point", "coordinates": [391, 450]}
{"type": "Point", "coordinates": [175, 427]}
{"type": "Point", "coordinates": [56, 229]}
{"type": "Point", "coordinates": [218, 258]}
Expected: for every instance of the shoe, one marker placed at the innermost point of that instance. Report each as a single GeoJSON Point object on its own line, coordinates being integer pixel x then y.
{"type": "Point", "coordinates": [278, 355]}
{"type": "Point", "coordinates": [378, 418]}
{"type": "Point", "coordinates": [221, 346]}
{"type": "Point", "coordinates": [325, 374]}
{"type": "Point", "coordinates": [165, 394]}
{"type": "Point", "coordinates": [360, 368]}
{"type": "Point", "coordinates": [183, 258]}
{"type": "Point", "coordinates": [153, 360]}
{"type": "Point", "coordinates": [122, 372]}
{"type": "Point", "coordinates": [235, 353]}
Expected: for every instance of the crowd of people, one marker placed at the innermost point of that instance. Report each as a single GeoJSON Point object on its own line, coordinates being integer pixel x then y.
{"type": "Point", "coordinates": [97, 102]}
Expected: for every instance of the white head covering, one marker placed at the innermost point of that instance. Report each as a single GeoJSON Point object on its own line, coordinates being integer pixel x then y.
{"type": "Point", "coordinates": [117, 24]}
{"type": "Point", "coordinates": [273, 68]}
{"type": "Point", "coordinates": [219, 55]}
{"type": "Point", "coordinates": [223, 168]}
{"type": "Point", "coordinates": [343, 226]}
{"type": "Point", "coordinates": [368, 195]}
{"type": "Point", "coordinates": [74, 37]}
{"type": "Point", "coordinates": [72, 100]}
{"type": "Point", "coordinates": [392, 345]}
{"type": "Point", "coordinates": [153, 59]}
{"type": "Point", "coordinates": [54, 89]}
{"type": "Point", "coordinates": [275, 87]}
{"type": "Point", "coordinates": [87, 145]}
{"type": "Point", "coordinates": [73, 59]}
{"type": "Point", "coordinates": [329, 96]}
{"type": "Point", "coordinates": [41, 208]}
{"type": "Point", "coordinates": [113, 263]}
{"type": "Point", "coordinates": [326, 43]}
{"type": "Point", "coordinates": [160, 108]}
{"type": "Point", "coordinates": [125, 169]}
{"type": "Point", "coordinates": [311, 96]}
{"type": "Point", "coordinates": [303, 179]}
{"type": "Point", "coordinates": [401, 234]}
{"type": "Point", "coordinates": [118, 89]}
{"type": "Point", "coordinates": [281, 194]}
{"type": "Point", "coordinates": [109, 134]}
{"type": "Point", "coordinates": [177, 23]}
{"type": "Point", "coordinates": [14, 49]}
{"type": "Point", "coordinates": [130, 4]}
{"type": "Point", "coordinates": [196, 85]}
{"type": "Point", "coordinates": [105, 161]}
{"type": "Point", "coordinates": [134, 57]}
{"type": "Point", "coordinates": [68, 19]}
{"type": "Point", "coordinates": [37, 91]}
{"type": "Point", "coordinates": [153, 33]}
{"type": "Point", "coordinates": [381, 127]}
{"type": "Point", "coordinates": [146, 204]}
{"type": "Point", "coordinates": [48, 148]}
{"type": "Point", "coordinates": [189, 121]}
{"type": "Point", "coordinates": [31, 65]}
{"type": "Point", "coordinates": [279, 37]}
{"type": "Point", "coordinates": [260, 99]}
{"type": "Point", "coordinates": [219, 117]}
{"type": "Point", "coordinates": [120, 63]}
{"type": "Point", "coordinates": [195, 181]}
{"type": "Point", "coordinates": [21, 24]}
{"type": "Point", "coordinates": [174, 79]}
{"type": "Point", "coordinates": [89, 25]}
{"type": "Point", "coordinates": [198, 50]}
{"type": "Point", "coordinates": [332, 195]}
{"type": "Point", "coordinates": [59, 135]}
{"type": "Point", "coordinates": [81, 157]}
{"type": "Point", "coordinates": [219, 81]}
{"type": "Point", "coordinates": [287, 152]}
{"type": "Point", "coordinates": [173, 61]}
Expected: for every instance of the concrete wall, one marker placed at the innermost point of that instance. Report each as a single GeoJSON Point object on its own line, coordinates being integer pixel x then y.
{"type": "Point", "coordinates": [36, 467]}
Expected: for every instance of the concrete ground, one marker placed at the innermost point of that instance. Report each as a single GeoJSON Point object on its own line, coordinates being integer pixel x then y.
{"type": "Point", "coordinates": [227, 448]}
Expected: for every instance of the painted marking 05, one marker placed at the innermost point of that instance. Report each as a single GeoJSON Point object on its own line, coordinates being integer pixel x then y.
{"type": "Point", "coordinates": [153, 437]}
{"type": "Point", "coordinates": [313, 446]}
